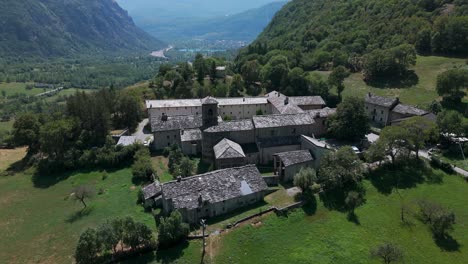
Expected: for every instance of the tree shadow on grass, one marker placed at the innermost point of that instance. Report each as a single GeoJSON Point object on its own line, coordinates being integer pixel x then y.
{"type": "Point", "coordinates": [408, 79]}
{"type": "Point", "coordinates": [172, 254]}
{"type": "Point", "coordinates": [447, 243]}
{"type": "Point", "coordinates": [352, 217]}
{"type": "Point", "coordinates": [144, 258]}
{"type": "Point", "coordinates": [402, 175]}
{"type": "Point", "coordinates": [76, 216]}
{"type": "Point", "coordinates": [334, 200]}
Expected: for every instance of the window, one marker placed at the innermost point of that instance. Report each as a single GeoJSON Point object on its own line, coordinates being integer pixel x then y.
{"type": "Point", "coordinates": [381, 119]}
{"type": "Point", "coordinates": [294, 131]}
{"type": "Point", "coordinates": [323, 122]}
{"type": "Point", "coordinates": [197, 113]}
{"type": "Point", "coordinates": [367, 107]}
{"type": "Point", "coordinates": [175, 136]}
{"type": "Point", "coordinates": [210, 112]}
{"type": "Point", "coordinates": [381, 112]}
{"type": "Point", "coordinates": [167, 136]}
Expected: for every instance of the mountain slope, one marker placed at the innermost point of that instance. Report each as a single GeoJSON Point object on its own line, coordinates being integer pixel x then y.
{"type": "Point", "coordinates": [245, 26]}
{"type": "Point", "coordinates": [65, 27]}
{"type": "Point", "coordinates": [333, 31]}
{"type": "Point", "coordinates": [145, 9]}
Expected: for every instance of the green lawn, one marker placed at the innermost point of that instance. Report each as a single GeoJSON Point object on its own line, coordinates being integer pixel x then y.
{"type": "Point", "coordinates": [6, 126]}
{"type": "Point", "coordinates": [423, 93]}
{"type": "Point", "coordinates": [40, 224]}
{"type": "Point", "coordinates": [19, 88]}
{"type": "Point", "coordinates": [328, 237]}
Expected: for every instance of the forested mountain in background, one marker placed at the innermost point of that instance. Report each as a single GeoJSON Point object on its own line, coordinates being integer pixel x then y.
{"type": "Point", "coordinates": [49, 28]}
{"type": "Point", "coordinates": [244, 26]}
{"type": "Point", "coordinates": [316, 34]}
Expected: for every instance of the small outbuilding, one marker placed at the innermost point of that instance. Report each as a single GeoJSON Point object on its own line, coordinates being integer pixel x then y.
{"type": "Point", "coordinates": [126, 141]}
{"type": "Point", "coordinates": [288, 164]}
{"type": "Point", "coordinates": [152, 194]}
{"type": "Point", "coordinates": [228, 154]}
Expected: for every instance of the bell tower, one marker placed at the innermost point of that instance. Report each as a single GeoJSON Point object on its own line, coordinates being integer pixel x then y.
{"type": "Point", "coordinates": [209, 112]}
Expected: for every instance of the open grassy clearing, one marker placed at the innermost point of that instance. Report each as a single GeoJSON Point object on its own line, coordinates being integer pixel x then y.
{"type": "Point", "coordinates": [40, 217]}
{"type": "Point", "coordinates": [10, 156]}
{"type": "Point", "coordinates": [19, 88]}
{"type": "Point", "coordinates": [6, 126]}
{"type": "Point", "coordinates": [421, 94]}
{"type": "Point", "coordinates": [325, 236]}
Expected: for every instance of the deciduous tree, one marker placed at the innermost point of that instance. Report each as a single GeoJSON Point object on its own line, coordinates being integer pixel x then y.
{"type": "Point", "coordinates": [387, 253]}
{"type": "Point", "coordinates": [350, 121]}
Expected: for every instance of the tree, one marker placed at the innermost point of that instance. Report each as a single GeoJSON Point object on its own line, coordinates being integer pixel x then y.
{"type": "Point", "coordinates": [340, 167]}
{"type": "Point", "coordinates": [452, 84]}
{"type": "Point", "coordinates": [305, 178]}
{"type": "Point", "coordinates": [388, 253]}
{"type": "Point", "coordinates": [175, 157]}
{"type": "Point", "coordinates": [83, 192]}
{"type": "Point", "coordinates": [392, 62]}
{"type": "Point", "coordinates": [420, 130]}
{"type": "Point", "coordinates": [26, 130]}
{"type": "Point", "coordinates": [237, 86]}
{"type": "Point", "coordinates": [376, 153]}
{"type": "Point", "coordinates": [57, 136]}
{"type": "Point", "coordinates": [394, 140]}
{"type": "Point", "coordinates": [172, 229]}
{"type": "Point", "coordinates": [108, 236]}
{"type": "Point", "coordinates": [337, 77]}
{"type": "Point", "coordinates": [251, 71]}
{"type": "Point", "coordinates": [186, 167]}
{"type": "Point", "coordinates": [452, 122]}
{"type": "Point", "coordinates": [128, 112]}
{"type": "Point", "coordinates": [298, 82]}
{"type": "Point", "coordinates": [350, 121]}
{"type": "Point", "coordinates": [199, 67]}
{"type": "Point", "coordinates": [142, 167]}
{"type": "Point", "coordinates": [353, 200]}
{"type": "Point", "coordinates": [276, 71]}
{"type": "Point", "coordinates": [440, 219]}
{"type": "Point", "coordinates": [3, 93]}
{"type": "Point", "coordinates": [89, 245]}
{"type": "Point", "coordinates": [213, 71]}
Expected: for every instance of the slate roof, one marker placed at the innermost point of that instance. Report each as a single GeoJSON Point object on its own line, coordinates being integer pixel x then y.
{"type": "Point", "coordinates": [176, 123]}
{"type": "Point", "coordinates": [307, 100]}
{"type": "Point", "coordinates": [408, 110]}
{"type": "Point", "coordinates": [126, 140]}
{"type": "Point", "coordinates": [294, 157]}
{"type": "Point", "coordinates": [278, 141]}
{"type": "Point", "coordinates": [322, 113]}
{"type": "Point", "coordinates": [190, 135]}
{"type": "Point", "coordinates": [152, 190]}
{"type": "Point", "coordinates": [270, 121]}
{"type": "Point", "coordinates": [214, 187]}
{"type": "Point", "coordinates": [380, 100]}
{"type": "Point", "coordinates": [227, 149]}
{"type": "Point", "coordinates": [239, 125]}
{"type": "Point", "coordinates": [173, 103]}
{"type": "Point", "coordinates": [209, 100]}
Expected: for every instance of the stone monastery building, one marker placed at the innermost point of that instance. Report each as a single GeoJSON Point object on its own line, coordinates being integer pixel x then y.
{"type": "Point", "coordinates": [232, 132]}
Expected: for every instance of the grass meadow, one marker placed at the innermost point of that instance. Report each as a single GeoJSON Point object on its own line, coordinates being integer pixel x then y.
{"type": "Point", "coordinates": [420, 94]}
{"type": "Point", "coordinates": [321, 235]}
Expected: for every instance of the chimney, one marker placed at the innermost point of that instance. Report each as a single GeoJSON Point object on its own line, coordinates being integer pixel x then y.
{"type": "Point", "coordinates": [317, 115]}
{"type": "Point", "coordinates": [286, 101]}
{"type": "Point", "coordinates": [244, 99]}
{"type": "Point", "coordinates": [398, 100]}
{"type": "Point", "coordinates": [182, 132]}
{"type": "Point", "coordinates": [179, 178]}
{"type": "Point", "coordinates": [369, 94]}
{"type": "Point", "coordinates": [278, 94]}
{"type": "Point", "coordinates": [164, 117]}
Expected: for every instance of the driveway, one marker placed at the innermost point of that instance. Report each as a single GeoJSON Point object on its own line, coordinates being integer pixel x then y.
{"type": "Point", "coordinates": [141, 134]}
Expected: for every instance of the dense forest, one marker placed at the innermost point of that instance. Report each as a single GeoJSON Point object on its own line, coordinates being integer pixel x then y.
{"type": "Point", "coordinates": [380, 38]}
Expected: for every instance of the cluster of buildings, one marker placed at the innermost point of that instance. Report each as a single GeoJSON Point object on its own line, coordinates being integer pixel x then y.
{"type": "Point", "coordinates": [386, 111]}
{"type": "Point", "coordinates": [234, 133]}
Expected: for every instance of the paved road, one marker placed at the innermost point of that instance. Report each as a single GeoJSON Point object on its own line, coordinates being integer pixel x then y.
{"type": "Point", "coordinates": [140, 134]}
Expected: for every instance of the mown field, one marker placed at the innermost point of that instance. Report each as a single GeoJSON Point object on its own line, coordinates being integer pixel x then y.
{"type": "Point", "coordinates": [421, 94]}
{"type": "Point", "coordinates": [41, 224]}
{"type": "Point", "coordinates": [326, 236]}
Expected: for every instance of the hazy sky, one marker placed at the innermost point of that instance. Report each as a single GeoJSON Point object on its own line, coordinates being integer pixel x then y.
{"type": "Point", "coordinates": [198, 8]}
